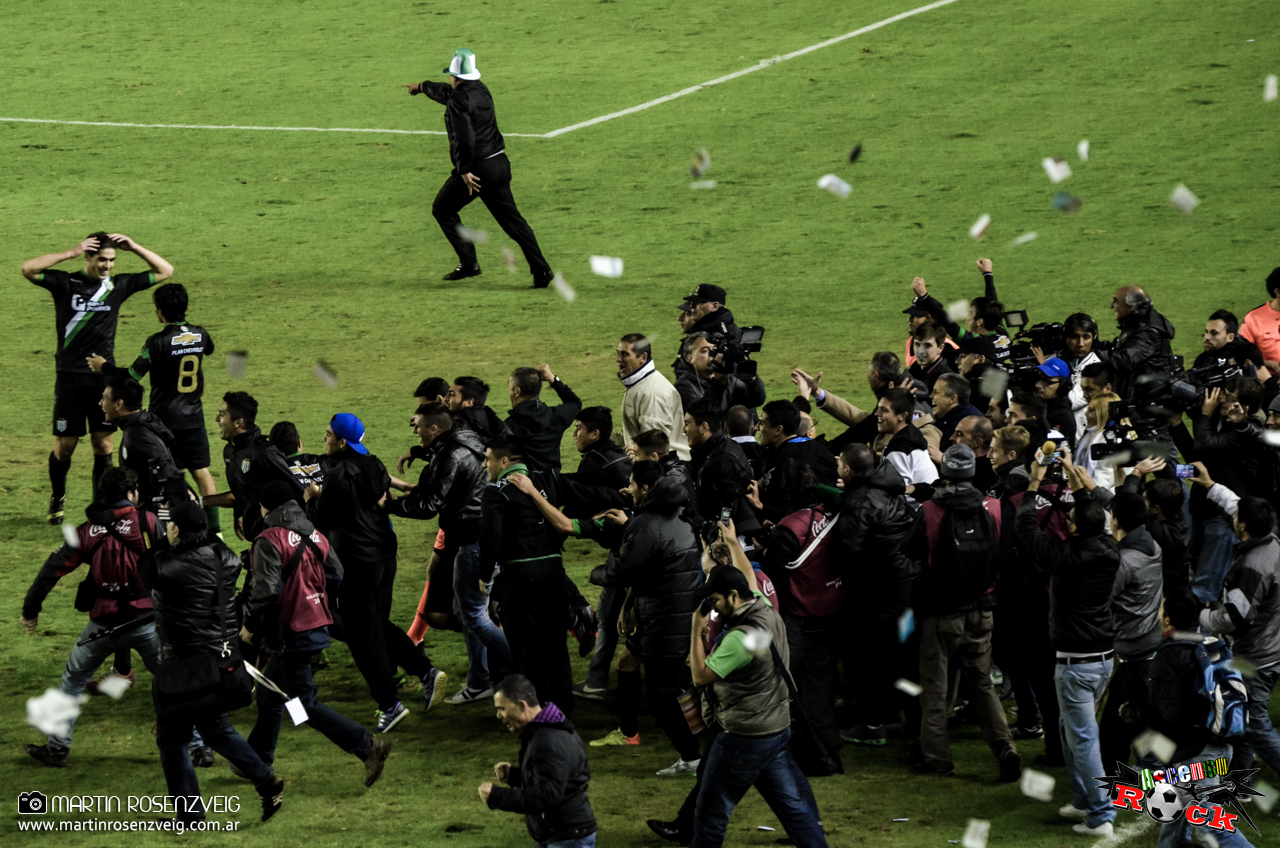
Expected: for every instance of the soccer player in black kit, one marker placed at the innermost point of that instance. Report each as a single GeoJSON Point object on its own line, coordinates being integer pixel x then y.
{"type": "Point", "coordinates": [175, 359]}
{"type": "Point", "coordinates": [86, 305]}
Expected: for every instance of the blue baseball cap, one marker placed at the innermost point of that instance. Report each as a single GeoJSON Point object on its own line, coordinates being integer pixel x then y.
{"type": "Point", "coordinates": [1051, 367]}
{"type": "Point", "coordinates": [346, 426]}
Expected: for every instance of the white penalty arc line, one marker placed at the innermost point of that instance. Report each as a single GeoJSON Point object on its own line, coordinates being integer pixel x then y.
{"type": "Point", "coordinates": [759, 66]}
{"type": "Point", "coordinates": [1125, 833]}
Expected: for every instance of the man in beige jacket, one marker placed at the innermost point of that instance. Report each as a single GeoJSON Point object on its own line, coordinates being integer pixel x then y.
{"type": "Point", "coordinates": [649, 401]}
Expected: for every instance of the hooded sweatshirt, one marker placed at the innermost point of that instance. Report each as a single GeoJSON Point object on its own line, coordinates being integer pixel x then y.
{"type": "Point", "coordinates": [1135, 596]}
{"type": "Point", "coordinates": [144, 448]}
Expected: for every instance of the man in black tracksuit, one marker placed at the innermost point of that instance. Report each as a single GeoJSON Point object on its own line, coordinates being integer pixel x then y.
{"type": "Point", "coordinates": [536, 427]}
{"type": "Point", "coordinates": [251, 463]}
{"type": "Point", "coordinates": [480, 167]}
{"type": "Point", "coordinates": [144, 446]}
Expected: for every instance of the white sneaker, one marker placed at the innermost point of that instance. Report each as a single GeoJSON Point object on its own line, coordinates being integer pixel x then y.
{"type": "Point", "coordinates": [1105, 830]}
{"type": "Point", "coordinates": [467, 695]}
{"type": "Point", "coordinates": [1067, 811]}
{"type": "Point", "coordinates": [681, 767]}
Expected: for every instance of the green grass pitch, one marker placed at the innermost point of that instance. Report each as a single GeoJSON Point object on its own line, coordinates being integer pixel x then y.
{"type": "Point", "coordinates": [303, 245]}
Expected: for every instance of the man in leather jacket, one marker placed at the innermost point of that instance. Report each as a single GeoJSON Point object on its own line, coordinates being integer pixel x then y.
{"type": "Point", "coordinates": [480, 167]}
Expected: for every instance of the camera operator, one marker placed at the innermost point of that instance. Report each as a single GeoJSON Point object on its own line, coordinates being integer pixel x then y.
{"type": "Point", "coordinates": [1223, 344]}
{"type": "Point", "coordinates": [705, 378]}
{"type": "Point", "coordinates": [985, 313]}
{"type": "Point", "coordinates": [1230, 445]}
{"type": "Point", "coordinates": [1079, 332]}
{"type": "Point", "coordinates": [703, 311]}
{"type": "Point", "coordinates": [1142, 348]}
{"type": "Point", "coordinates": [1052, 389]}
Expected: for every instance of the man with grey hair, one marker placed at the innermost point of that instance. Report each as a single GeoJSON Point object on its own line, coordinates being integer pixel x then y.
{"type": "Point", "coordinates": [950, 397]}
{"type": "Point", "coordinates": [1141, 354]}
{"type": "Point", "coordinates": [704, 379]}
{"type": "Point", "coordinates": [649, 401]}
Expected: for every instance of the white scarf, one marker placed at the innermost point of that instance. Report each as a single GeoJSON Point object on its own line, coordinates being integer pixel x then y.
{"type": "Point", "coordinates": [638, 375]}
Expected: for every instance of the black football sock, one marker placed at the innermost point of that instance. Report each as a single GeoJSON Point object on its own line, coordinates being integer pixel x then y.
{"type": "Point", "coordinates": [58, 475]}
{"type": "Point", "coordinates": [629, 701]}
{"type": "Point", "coordinates": [101, 462]}
{"type": "Point", "coordinates": [123, 663]}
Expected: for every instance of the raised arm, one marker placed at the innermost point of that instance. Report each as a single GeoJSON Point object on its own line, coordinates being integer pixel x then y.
{"type": "Point", "coordinates": [161, 268]}
{"type": "Point", "coordinates": [32, 268]}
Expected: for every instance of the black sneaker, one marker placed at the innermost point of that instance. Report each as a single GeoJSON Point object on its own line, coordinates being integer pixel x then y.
{"type": "Point", "coordinates": [57, 505]}
{"type": "Point", "coordinates": [433, 687]}
{"type": "Point", "coordinates": [462, 272]}
{"type": "Point", "coordinates": [1035, 731]}
{"type": "Point", "coordinates": [541, 281]}
{"type": "Point", "coordinates": [202, 757]}
{"type": "Point", "coordinates": [272, 796]}
{"type": "Point", "coordinates": [864, 734]}
{"type": "Point", "coordinates": [585, 627]}
{"type": "Point", "coordinates": [375, 759]}
{"type": "Point", "coordinates": [1010, 767]}
{"type": "Point", "coordinates": [669, 831]}
{"type": "Point", "coordinates": [56, 757]}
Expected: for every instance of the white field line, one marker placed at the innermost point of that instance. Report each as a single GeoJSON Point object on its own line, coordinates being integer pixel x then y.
{"type": "Point", "coordinates": [765, 63]}
{"type": "Point", "coordinates": [1124, 834]}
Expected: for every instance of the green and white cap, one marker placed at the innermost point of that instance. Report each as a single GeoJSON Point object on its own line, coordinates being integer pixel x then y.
{"type": "Point", "coordinates": [463, 65]}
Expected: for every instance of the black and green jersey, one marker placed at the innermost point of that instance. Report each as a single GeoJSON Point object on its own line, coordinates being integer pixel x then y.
{"type": "Point", "coordinates": [306, 468]}
{"type": "Point", "coordinates": [174, 357]}
{"type": "Point", "coordinates": [87, 310]}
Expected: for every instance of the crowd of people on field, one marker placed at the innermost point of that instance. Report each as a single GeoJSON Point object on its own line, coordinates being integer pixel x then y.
{"type": "Point", "coordinates": [1087, 514]}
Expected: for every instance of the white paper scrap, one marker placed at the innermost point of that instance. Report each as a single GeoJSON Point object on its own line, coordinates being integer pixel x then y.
{"type": "Point", "coordinates": [69, 533]}
{"type": "Point", "coordinates": [1024, 238]}
{"type": "Point", "coordinates": [906, 686]}
{"type": "Point", "coordinates": [994, 382]}
{"type": "Point", "coordinates": [703, 184]}
{"type": "Point", "coordinates": [975, 835]}
{"type": "Point", "coordinates": [1183, 199]}
{"type": "Point", "coordinates": [701, 162]}
{"type": "Point", "coordinates": [1267, 801]}
{"type": "Point", "coordinates": [606, 266]}
{"type": "Point", "coordinates": [979, 228]}
{"type": "Point", "coordinates": [297, 712]}
{"type": "Point", "coordinates": [562, 288]}
{"type": "Point", "coordinates": [1271, 437]}
{"type": "Point", "coordinates": [53, 712]}
{"type": "Point", "coordinates": [1082, 150]}
{"type": "Point", "coordinates": [114, 686]}
{"type": "Point", "coordinates": [325, 374]}
{"type": "Point", "coordinates": [509, 259]}
{"type": "Point", "coordinates": [473, 236]}
{"type": "Point", "coordinates": [763, 827]}
{"type": "Point", "coordinates": [1151, 742]}
{"type": "Point", "coordinates": [835, 185]}
{"type": "Point", "coordinates": [1035, 784]}
{"type": "Point", "coordinates": [236, 362]}
{"type": "Point", "coordinates": [958, 311]}
{"type": "Point", "coordinates": [756, 641]}
{"type": "Point", "coordinates": [1270, 90]}
{"type": "Point", "coordinates": [1057, 169]}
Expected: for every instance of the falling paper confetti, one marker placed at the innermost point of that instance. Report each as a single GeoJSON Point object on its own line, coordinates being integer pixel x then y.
{"type": "Point", "coordinates": [69, 533]}
{"type": "Point", "coordinates": [994, 382]}
{"type": "Point", "coordinates": [606, 266]}
{"type": "Point", "coordinates": [765, 828]}
{"type": "Point", "coordinates": [509, 259]}
{"type": "Point", "coordinates": [1082, 150]}
{"type": "Point", "coordinates": [756, 641]}
{"type": "Point", "coordinates": [1267, 801]}
{"type": "Point", "coordinates": [1270, 90]}
{"type": "Point", "coordinates": [1024, 238]}
{"type": "Point", "coordinates": [701, 162]}
{"type": "Point", "coordinates": [1057, 169]}
{"type": "Point", "coordinates": [904, 685]}
{"type": "Point", "coordinates": [53, 712]}
{"type": "Point", "coordinates": [1242, 665]}
{"type": "Point", "coordinates": [114, 686]}
{"type": "Point", "coordinates": [979, 228]}
{"type": "Point", "coordinates": [958, 311]}
{"type": "Point", "coordinates": [1036, 785]}
{"type": "Point", "coordinates": [474, 236]}
{"type": "Point", "coordinates": [325, 374]}
{"type": "Point", "coordinates": [1183, 199]}
{"type": "Point", "coordinates": [1271, 437]}
{"type": "Point", "coordinates": [835, 185]}
{"type": "Point", "coordinates": [1066, 202]}
{"type": "Point", "coordinates": [703, 184]}
{"type": "Point", "coordinates": [975, 835]}
{"type": "Point", "coordinates": [236, 361]}
{"type": "Point", "coordinates": [902, 820]}
{"type": "Point", "coordinates": [1151, 742]}
{"type": "Point", "coordinates": [562, 288]}
{"type": "Point", "coordinates": [906, 625]}
{"type": "Point", "coordinates": [857, 151]}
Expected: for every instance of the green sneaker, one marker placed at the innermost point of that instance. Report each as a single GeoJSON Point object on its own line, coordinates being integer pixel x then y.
{"type": "Point", "coordinates": [863, 734]}
{"type": "Point", "coordinates": [615, 737]}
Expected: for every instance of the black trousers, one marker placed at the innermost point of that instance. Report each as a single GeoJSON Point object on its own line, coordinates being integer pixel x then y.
{"type": "Point", "coordinates": [1129, 684]}
{"type": "Point", "coordinates": [665, 679]}
{"type": "Point", "coordinates": [495, 191]}
{"type": "Point", "coordinates": [532, 608]}
{"type": "Point", "coordinates": [814, 644]}
{"type": "Point", "coordinates": [377, 646]}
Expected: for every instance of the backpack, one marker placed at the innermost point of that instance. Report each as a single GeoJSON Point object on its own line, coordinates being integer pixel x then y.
{"type": "Point", "coordinates": [817, 589]}
{"type": "Point", "coordinates": [1222, 686]}
{"type": "Point", "coordinates": [964, 558]}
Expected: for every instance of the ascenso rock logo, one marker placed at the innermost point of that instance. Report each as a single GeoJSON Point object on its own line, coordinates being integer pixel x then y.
{"type": "Point", "coordinates": [1202, 793]}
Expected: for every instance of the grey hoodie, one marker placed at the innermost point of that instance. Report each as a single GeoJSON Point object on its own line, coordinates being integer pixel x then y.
{"type": "Point", "coordinates": [1135, 596]}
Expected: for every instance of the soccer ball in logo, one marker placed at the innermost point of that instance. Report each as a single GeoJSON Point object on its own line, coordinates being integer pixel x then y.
{"type": "Point", "coordinates": [1165, 804]}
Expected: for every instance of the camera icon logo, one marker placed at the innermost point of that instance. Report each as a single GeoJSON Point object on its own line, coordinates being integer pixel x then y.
{"type": "Point", "coordinates": [32, 803]}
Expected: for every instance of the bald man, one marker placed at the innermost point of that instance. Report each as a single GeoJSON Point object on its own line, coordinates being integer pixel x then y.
{"type": "Point", "coordinates": [1142, 348]}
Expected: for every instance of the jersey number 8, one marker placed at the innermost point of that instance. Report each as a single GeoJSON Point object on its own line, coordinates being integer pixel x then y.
{"type": "Point", "coordinates": [188, 373]}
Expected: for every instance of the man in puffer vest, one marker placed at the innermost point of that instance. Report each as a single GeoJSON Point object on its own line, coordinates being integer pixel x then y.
{"type": "Point", "coordinates": [289, 615]}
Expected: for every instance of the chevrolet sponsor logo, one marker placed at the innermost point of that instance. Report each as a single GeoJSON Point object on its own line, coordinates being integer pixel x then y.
{"type": "Point", "coordinates": [187, 339]}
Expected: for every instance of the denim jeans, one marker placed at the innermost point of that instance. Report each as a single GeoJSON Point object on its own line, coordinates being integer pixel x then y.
{"type": "Point", "coordinates": [1260, 737]}
{"type": "Point", "coordinates": [173, 738]}
{"type": "Point", "coordinates": [1179, 834]}
{"type": "Point", "coordinates": [607, 611]}
{"type": "Point", "coordinates": [85, 660]}
{"type": "Point", "coordinates": [291, 671]}
{"type": "Point", "coordinates": [1080, 689]}
{"type": "Point", "coordinates": [1217, 550]}
{"type": "Point", "coordinates": [584, 842]}
{"type": "Point", "coordinates": [736, 763]}
{"type": "Point", "coordinates": [471, 606]}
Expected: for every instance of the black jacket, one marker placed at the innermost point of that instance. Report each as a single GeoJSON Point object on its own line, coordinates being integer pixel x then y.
{"type": "Point", "coordinates": [1171, 535]}
{"type": "Point", "coordinates": [1237, 352]}
{"type": "Point", "coordinates": [484, 422]}
{"type": "Point", "coordinates": [251, 463]}
{"type": "Point", "coordinates": [1082, 573]}
{"type": "Point", "coordinates": [514, 533]}
{"type": "Point", "coordinates": [184, 591]}
{"type": "Point", "coordinates": [1141, 350]}
{"type": "Point", "coordinates": [713, 324]}
{"type": "Point", "coordinates": [347, 510]}
{"type": "Point", "coordinates": [144, 447]}
{"type": "Point", "coordinates": [870, 539]}
{"type": "Point", "coordinates": [1063, 418]}
{"type": "Point", "coordinates": [723, 475]}
{"type": "Point", "coordinates": [949, 422]}
{"type": "Point", "coordinates": [451, 485]}
{"type": "Point", "coordinates": [747, 390]}
{"type": "Point", "coordinates": [930, 375]}
{"type": "Point", "coordinates": [549, 786]}
{"type": "Point", "coordinates": [470, 120]}
{"type": "Point", "coordinates": [540, 428]}
{"type": "Point", "coordinates": [660, 562]}
{"type": "Point", "coordinates": [674, 466]}
{"type": "Point", "coordinates": [810, 452]}
{"type": "Point", "coordinates": [604, 463]}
